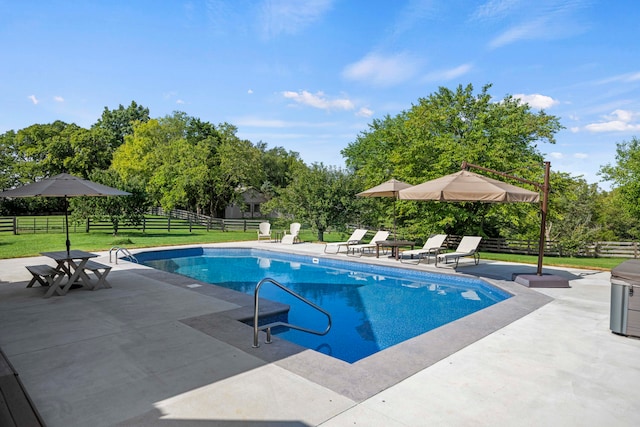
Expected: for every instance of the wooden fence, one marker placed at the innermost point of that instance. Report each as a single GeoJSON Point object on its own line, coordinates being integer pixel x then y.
{"type": "Point", "coordinates": [17, 225]}
{"type": "Point", "coordinates": [184, 220]}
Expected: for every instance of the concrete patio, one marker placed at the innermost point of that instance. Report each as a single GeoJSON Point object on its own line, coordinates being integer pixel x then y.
{"type": "Point", "coordinates": [158, 350]}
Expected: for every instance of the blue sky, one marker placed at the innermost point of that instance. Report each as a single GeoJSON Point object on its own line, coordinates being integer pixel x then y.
{"type": "Point", "coordinates": [311, 75]}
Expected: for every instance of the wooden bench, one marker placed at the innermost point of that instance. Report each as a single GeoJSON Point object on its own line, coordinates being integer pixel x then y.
{"type": "Point", "coordinates": [100, 271]}
{"type": "Point", "coordinates": [46, 275]}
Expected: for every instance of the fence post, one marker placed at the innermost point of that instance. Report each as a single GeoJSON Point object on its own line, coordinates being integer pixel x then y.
{"type": "Point", "coordinates": [144, 224]}
{"type": "Point", "coordinates": [168, 224]}
{"type": "Point", "coordinates": [244, 225]}
{"type": "Point", "coordinates": [189, 225]}
{"type": "Point", "coordinates": [15, 225]}
{"type": "Point", "coordinates": [635, 249]}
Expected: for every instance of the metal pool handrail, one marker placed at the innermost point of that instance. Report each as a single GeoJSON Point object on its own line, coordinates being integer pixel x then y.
{"type": "Point", "coordinates": [268, 327]}
{"type": "Point", "coordinates": [125, 251]}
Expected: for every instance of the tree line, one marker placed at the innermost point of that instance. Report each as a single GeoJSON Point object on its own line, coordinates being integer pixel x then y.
{"type": "Point", "coordinates": [183, 162]}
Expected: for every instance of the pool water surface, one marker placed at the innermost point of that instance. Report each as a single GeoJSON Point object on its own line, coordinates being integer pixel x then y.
{"type": "Point", "coordinates": [372, 307]}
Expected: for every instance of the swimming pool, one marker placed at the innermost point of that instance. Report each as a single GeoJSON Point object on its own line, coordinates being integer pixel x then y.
{"type": "Point", "coordinates": [372, 307]}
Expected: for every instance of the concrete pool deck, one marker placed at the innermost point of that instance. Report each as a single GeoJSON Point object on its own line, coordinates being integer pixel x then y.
{"type": "Point", "coordinates": [156, 350]}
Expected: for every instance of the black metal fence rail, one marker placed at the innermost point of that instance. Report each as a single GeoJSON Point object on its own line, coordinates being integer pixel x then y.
{"type": "Point", "coordinates": [44, 224]}
{"type": "Point", "coordinates": [184, 220]}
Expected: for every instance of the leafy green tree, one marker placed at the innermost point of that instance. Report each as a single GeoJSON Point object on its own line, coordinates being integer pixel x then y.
{"type": "Point", "coordinates": [615, 220]}
{"type": "Point", "coordinates": [42, 150]}
{"type": "Point", "coordinates": [318, 195]}
{"type": "Point", "coordinates": [119, 123]}
{"type": "Point", "coordinates": [128, 210]}
{"type": "Point", "coordinates": [7, 160]}
{"type": "Point", "coordinates": [435, 136]}
{"type": "Point", "coordinates": [573, 220]}
{"type": "Point", "coordinates": [187, 163]}
{"type": "Point", "coordinates": [91, 149]}
{"type": "Point", "coordinates": [625, 175]}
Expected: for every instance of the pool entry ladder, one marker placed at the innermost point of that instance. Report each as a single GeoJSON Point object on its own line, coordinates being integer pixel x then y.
{"type": "Point", "coordinates": [124, 251]}
{"type": "Point", "coordinates": [268, 327]}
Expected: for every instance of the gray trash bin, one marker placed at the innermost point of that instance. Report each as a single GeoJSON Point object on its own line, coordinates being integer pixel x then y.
{"type": "Point", "coordinates": [619, 307]}
{"type": "Point", "coordinates": [625, 298]}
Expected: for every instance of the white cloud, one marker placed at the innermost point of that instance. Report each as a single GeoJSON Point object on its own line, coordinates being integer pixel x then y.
{"type": "Point", "coordinates": [623, 115]}
{"type": "Point", "coordinates": [58, 99]}
{"type": "Point", "coordinates": [524, 31]}
{"type": "Point", "coordinates": [625, 78]}
{"type": "Point", "coordinates": [536, 100]}
{"type": "Point", "coordinates": [449, 74]}
{"type": "Point", "coordinates": [250, 91]}
{"type": "Point", "coordinates": [382, 70]}
{"type": "Point", "coordinates": [319, 100]}
{"type": "Point", "coordinates": [364, 112]}
{"type": "Point", "coordinates": [179, 101]}
{"type": "Point", "coordinates": [290, 17]}
{"type": "Point", "coordinates": [33, 99]}
{"type": "Point", "coordinates": [556, 155]}
{"type": "Point", "coordinates": [494, 9]}
{"type": "Point", "coordinates": [617, 121]}
{"type": "Point", "coordinates": [542, 20]}
{"type": "Point", "coordinates": [581, 155]}
{"type": "Point", "coordinates": [263, 123]}
{"type": "Point", "coordinates": [612, 126]}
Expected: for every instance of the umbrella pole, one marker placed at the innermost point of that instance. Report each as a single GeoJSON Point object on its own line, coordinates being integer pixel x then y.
{"type": "Point", "coordinates": [66, 223]}
{"type": "Point", "coordinates": [543, 216]}
{"type": "Point", "coordinates": [395, 236]}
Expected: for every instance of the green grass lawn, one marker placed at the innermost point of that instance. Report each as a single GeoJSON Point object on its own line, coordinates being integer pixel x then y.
{"type": "Point", "coordinates": [26, 245]}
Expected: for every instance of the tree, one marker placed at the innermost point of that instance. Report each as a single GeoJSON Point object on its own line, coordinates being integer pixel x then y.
{"type": "Point", "coordinates": [435, 136]}
{"type": "Point", "coordinates": [187, 163]}
{"type": "Point", "coordinates": [318, 195]}
{"type": "Point", "coordinates": [625, 175]}
{"type": "Point", "coordinates": [42, 150]}
{"type": "Point", "coordinates": [278, 166]}
{"type": "Point", "coordinates": [8, 175]}
{"type": "Point", "coordinates": [129, 210]}
{"type": "Point", "coordinates": [119, 123]}
{"type": "Point", "coordinates": [573, 220]}
{"type": "Point", "coordinates": [615, 220]}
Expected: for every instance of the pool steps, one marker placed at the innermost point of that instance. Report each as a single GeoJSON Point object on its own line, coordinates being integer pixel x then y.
{"type": "Point", "coordinates": [267, 327]}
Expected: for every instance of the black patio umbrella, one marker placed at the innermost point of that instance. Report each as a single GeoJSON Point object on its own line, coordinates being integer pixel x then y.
{"type": "Point", "coordinates": [64, 185]}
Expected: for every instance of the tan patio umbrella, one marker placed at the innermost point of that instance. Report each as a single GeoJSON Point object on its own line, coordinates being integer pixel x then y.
{"type": "Point", "coordinates": [465, 186]}
{"type": "Point", "coordinates": [64, 185]}
{"type": "Point", "coordinates": [389, 188]}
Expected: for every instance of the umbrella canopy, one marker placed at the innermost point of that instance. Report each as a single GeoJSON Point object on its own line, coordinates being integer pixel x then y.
{"type": "Point", "coordinates": [389, 188]}
{"type": "Point", "coordinates": [465, 186]}
{"type": "Point", "coordinates": [64, 185]}
{"type": "Point", "coordinates": [386, 189]}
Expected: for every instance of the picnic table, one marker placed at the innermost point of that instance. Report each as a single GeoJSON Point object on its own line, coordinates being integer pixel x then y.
{"type": "Point", "coordinates": [71, 270]}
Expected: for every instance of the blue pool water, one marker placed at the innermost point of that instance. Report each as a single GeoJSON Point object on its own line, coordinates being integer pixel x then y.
{"type": "Point", "coordinates": [372, 307]}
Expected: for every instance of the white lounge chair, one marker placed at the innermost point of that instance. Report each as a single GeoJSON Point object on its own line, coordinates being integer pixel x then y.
{"type": "Point", "coordinates": [292, 236]}
{"type": "Point", "coordinates": [355, 239]}
{"type": "Point", "coordinates": [264, 230]}
{"type": "Point", "coordinates": [468, 247]}
{"type": "Point", "coordinates": [379, 237]}
{"type": "Point", "coordinates": [431, 247]}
